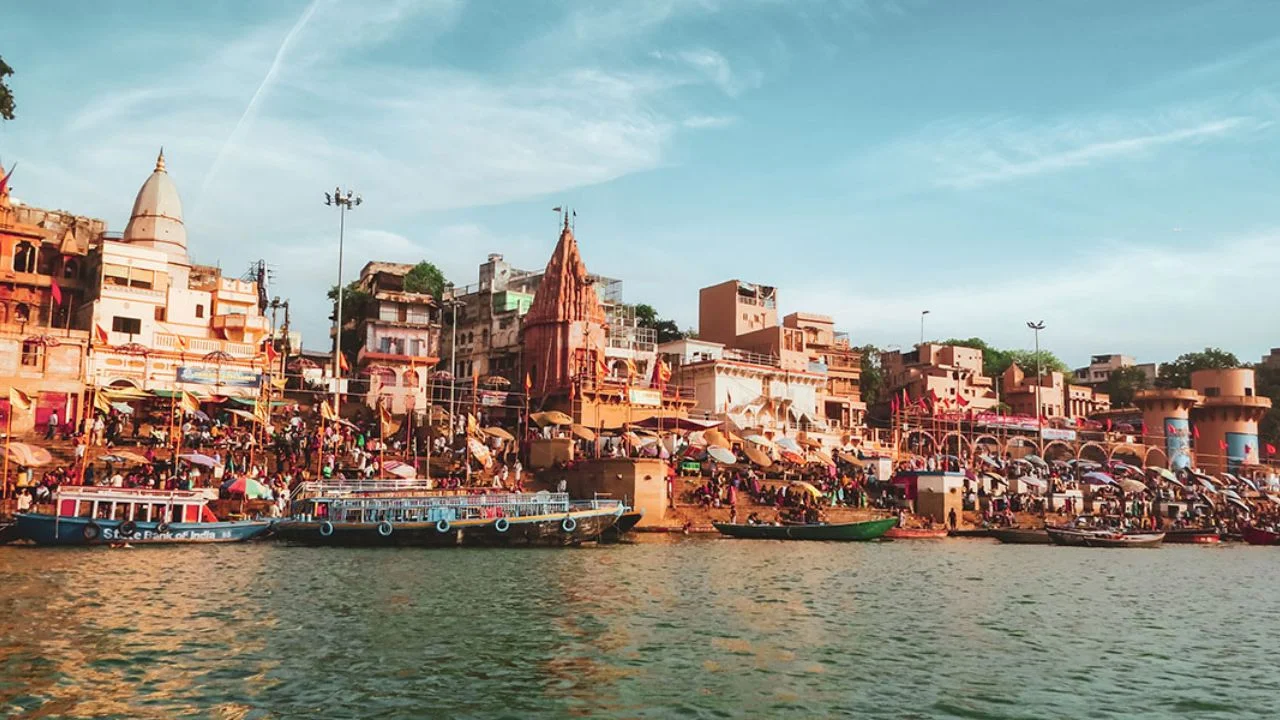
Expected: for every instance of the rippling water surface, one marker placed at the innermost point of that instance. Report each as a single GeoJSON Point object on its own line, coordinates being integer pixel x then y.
{"type": "Point", "coordinates": [662, 628]}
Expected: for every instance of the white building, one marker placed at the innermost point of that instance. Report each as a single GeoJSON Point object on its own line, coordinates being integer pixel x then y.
{"type": "Point", "coordinates": [160, 322]}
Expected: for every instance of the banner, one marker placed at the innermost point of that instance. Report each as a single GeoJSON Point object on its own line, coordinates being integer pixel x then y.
{"type": "Point", "coordinates": [646, 397]}
{"type": "Point", "coordinates": [1058, 434]}
{"type": "Point", "coordinates": [228, 377]}
{"type": "Point", "coordinates": [1177, 442]}
{"type": "Point", "coordinates": [493, 398]}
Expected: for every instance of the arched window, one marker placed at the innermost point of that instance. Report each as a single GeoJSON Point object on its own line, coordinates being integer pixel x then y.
{"type": "Point", "coordinates": [24, 257]}
{"type": "Point", "coordinates": [47, 260]}
{"type": "Point", "coordinates": [70, 269]}
{"type": "Point", "coordinates": [385, 375]}
{"type": "Point", "coordinates": [22, 313]}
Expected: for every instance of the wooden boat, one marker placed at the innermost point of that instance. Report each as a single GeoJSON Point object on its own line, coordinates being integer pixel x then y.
{"type": "Point", "coordinates": [408, 513]}
{"type": "Point", "coordinates": [1090, 537]}
{"type": "Point", "coordinates": [625, 524]}
{"type": "Point", "coordinates": [1021, 536]}
{"type": "Point", "coordinates": [137, 516]}
{"type": "Point", "coordinates": [970, 533]}
{"type": "Point", "coordinates": [869, 530]}
{"type": "Point", "coordinates": [1260, 536]}
{"type": "Point", "coordinates": [903, 533]}
{"type": "Point", "coordinates": [1192, 536]}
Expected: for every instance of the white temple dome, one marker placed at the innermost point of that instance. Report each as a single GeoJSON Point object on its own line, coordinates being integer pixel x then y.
{"type": "Point", "coordinates": [156, 220]}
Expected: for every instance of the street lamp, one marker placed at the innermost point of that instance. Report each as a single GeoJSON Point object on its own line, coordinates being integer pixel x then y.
{"type": "Point", "coordinates": [1037, 327]}
{"type": "Point", "coordinates": [452, 303]}
{"type": "Point", "coordinates": [344, 203]}
{"type": "Point", "coordinates": [922, 314]}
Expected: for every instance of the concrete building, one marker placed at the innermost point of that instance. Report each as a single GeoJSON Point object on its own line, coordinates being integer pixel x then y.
{"type": "Point", "coordinates": [1057, 397]}
{"type": "Point", "coordinates": [1100, 368]}
{"type": "Point", "coordinates": [733, 309]}
{"type": "Point", "coordinates": [948, 372]}
{"type": "Point", "coordinates": [42, 340]}
{"type": "Point", "coordinates": [841, 400]}
{"type": "Point", "coordinates": [162, 322]}
{"type": "Point", "coordinates": [1271, 359]}
{"type": "Point", "coordinates": [1213, 424]}
{"type": "Point", "coordinates": [399, 335]}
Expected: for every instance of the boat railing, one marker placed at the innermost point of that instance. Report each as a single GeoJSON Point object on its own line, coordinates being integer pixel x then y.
{"type": "Point", "coordinates": [346, 487]}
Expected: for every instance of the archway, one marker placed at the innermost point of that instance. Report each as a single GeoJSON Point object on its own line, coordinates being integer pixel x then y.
{"type": "Point", "coordinates": [1093, 451]}
{"type": "Point", "coordinates": [24, 257]}
{"type": "Point", "coordinates": [1156, 457]}
{"type": "Point", "coordinates": [1126, 453]}
{"type": "Point", "coordinates": [919, 442]}
{"type": "Point", "coordinates": [1058, 450]}
{"type": "Point", "coordinates": [954, 443]}
{"type": "Point", "coordinates": [1018, 446]}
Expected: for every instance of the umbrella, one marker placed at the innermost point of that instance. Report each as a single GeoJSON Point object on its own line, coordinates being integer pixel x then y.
{"type": "Point", "coordinates": [787, 443]}
{"type": "Point", "coordinates": [1207, 484]}
{"type": "Point", "coordinates": [1098, 478]}
{"type": "Point", "coordinates": [757, 456]}
{"type": "Point", "coordinates": [498, 433]}
{"type": "Point", "coordinates": [759, 440]}
{"type": "Point", "coordinates": [716, 438]}
{"type": "Point", "coordinates": [244, 414]}
{"type": "Point", "coordinates": [551, 417]}
{"type": "Point", "coordinates": [1034, 482]}
{"type": "Point", "coordinates": [199, 459]}
{"type": "Point", "coordinates": [122, 408]}
{"type": "Point", "coordinates": [792, 457]}
{"type": "Point", "coordinates": [820, 456]}
{"type": "Point", "coordinates": [130, 456]}
{"type": "Point", "coordinates": [1231, 493]}
{"type": "Point", "coordinates": [807, 488]}
{"type": "Point", "coordinates": [1239, 503]}
{"type": "Point", "coordinates": [1130, 485]}
{"type": "Point", "coordinates": [496, 381]}
{"type": "Point", "coordinates": [723, 455]}
{"type": "Point", "coordinates": [246, 486]}
{"type": "Point", "coordinates": [29, 455]}
{"type": "Point", "coordinates": [995, 478]}
{"type": "Point", "coordinates": [1165, 473]}
{"type": "Point", "coordinates": [585, 433]}
{"type": "Point", "coordinates": [399, 469]}
{"type": "Point", "coordinates": [1250, 483]}
{"type": "Point", "coordinates": [697, 438]}
{"type": "Point", "coordinates": [1035, 460]}
{"type": "Point", "coordinates": [993, 462]}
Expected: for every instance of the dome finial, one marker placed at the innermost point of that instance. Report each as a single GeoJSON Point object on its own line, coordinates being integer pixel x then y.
{"type": "Point", "coordinates": [160, 160]}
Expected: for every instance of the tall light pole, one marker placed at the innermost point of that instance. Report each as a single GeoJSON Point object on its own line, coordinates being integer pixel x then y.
{"type": "Point", "coordinates": [1037, 327]}
{"type": "Point", "coordinates": [452, 303]}
{"type": "Point", "coordinates": [922, 314]}
{"type": "Point", "coordinates": [344, 203]}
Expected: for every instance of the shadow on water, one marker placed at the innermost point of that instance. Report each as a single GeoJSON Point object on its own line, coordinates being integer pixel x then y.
{"type": "Point", "coordinates": [660, 628]}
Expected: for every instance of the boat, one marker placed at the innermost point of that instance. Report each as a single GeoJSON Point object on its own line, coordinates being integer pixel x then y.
{"type": "Point", "coordinates": [1101, 537]}
{"type": "Point", "coordinates": [905, 533]}
{"type": "Point", "coordinates": [869, 530]}
{"type": "Point", "coordinates": [93, 515]}
{"type": "Point", "coordinates": [626, 523]}
{"type": "Point", "coordinates": [981, 532]}
{"type": "Point", "coordinates": [408, 513]}
{"type": "Point", "coordinates": [1260, 536]}
{"type": "Point", "coordinates": [1192, 536]}
{"type": "Point", "coordinates": [1021, 536]}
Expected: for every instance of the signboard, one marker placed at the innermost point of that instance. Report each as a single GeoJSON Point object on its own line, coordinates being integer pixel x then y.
{"type": "Point", "coordinates": [1177, 442]}
{"type": "Point", "coordinates": [227, 377]}
{"type": "Point", "coordinates": [1058, 434]}
{"type": "Point", "coordinates": [493, 398]}
{"type": "Point", "coordinates": [646, 397]}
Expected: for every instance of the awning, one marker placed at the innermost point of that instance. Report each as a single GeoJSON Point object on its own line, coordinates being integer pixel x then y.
{"type": "Point", "coordinates": [678, 423]}
{"type": "Point", "coordinates": [122, 408]}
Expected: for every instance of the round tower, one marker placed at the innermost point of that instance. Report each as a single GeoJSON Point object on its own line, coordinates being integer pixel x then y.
{"type": "Point", "coordinates": [1227, 418]}
{"type": "Point", "coordinates": [1167, 417]}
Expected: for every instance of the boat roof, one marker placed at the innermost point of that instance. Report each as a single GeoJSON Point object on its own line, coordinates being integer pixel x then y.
{"type": "Point", "coordinates": [135, 495]}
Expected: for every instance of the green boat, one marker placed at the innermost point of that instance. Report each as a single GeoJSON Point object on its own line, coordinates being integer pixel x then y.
{"type": "Point", "coordinates": [869, 530]}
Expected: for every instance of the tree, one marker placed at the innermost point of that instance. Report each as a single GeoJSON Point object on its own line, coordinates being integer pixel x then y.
{"type": "Point", "coordinates": [1026, 360]}
{"type": "Point", "coordinates": [425, 278]}
{"type": "Point", "coordinates": [356, 304]}
{"type": "Point", "coordinates": [1123, 384]}
{"type": "Point", "coordinates": [1177, 374]}
{"type": "Point", "coordinates": [665, 329]}
{"type": "Point", "coordinates": [994, 361]}
{"type": "Point", "coordinates": [1267, 383]}
{"type": "Point", "coordinates": [872, 379]}
{"type": "Point", "coordinates": [6, 95]}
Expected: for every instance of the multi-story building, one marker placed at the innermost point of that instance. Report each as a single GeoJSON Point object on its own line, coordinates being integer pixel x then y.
{"type": "Point", "coordinates": [399, 335]}
{"type": "Point", "coordinates": [1213, 424]}
{"type": "Point", "coordinates": [1056, 398]}
{"type": "Point", "coordinates": [42, 281]}
{"type": "Point", "coordinates": [829, 351]}
{"type": "Point", "coordinates": [1101, 366]}
{"type": "Point", "coordinates": [161, 322]}
{"type": "Point", "coordinates": [950, 373]}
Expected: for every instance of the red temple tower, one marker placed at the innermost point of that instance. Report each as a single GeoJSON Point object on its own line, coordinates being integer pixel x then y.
{"type": "Point", "coordinates": [564, 331]}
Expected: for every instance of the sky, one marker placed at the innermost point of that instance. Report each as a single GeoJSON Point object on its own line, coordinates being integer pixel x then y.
{"type": "Point", "coordinates": [1107, 168]}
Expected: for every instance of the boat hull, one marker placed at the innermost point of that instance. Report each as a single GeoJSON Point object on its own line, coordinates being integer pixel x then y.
{"type": "Point", "coordinates": [531, 531]}
{"type": "Point", "coordinates": [1258, 536]}
{"type": "Point", "coordinates": [1021, 536]}
{"type": "Point", "coordinates": [1095, 538]}
{"type": "Point", "coordinates": [50, 530]}
{"type": "Point", "coordinates": [1192, 537]}
{"type": "Point", "coordinates": [844, 532]}
{"type": "Point", "coordinates": [626, 523]}
{"type": "Point", "coordinates": [901, 533]}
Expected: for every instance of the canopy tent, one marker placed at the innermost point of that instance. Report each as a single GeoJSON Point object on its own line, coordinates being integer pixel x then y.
{"type": "Point", "coordinates": [551, 417]}
{"type": "Point", "coordinates": [28, 455]}
{"type": "Point", "coordinates": [122, 408]}
{"type": "Point", "coordinates": [499, 433]}
{"type": "Point", "coordinates": [125, 394]}
{"type": "Point", "coordinates": [251, 402]}
{"type": "Point", "coordinates": [722, 455]}
{"type": "Point", "coordinates": [678, 423]}
{"type": "Point", "coordinates": [244, 414]}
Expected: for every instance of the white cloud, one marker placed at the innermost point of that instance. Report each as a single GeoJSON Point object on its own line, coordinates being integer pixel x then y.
{"type": "Point", "coordinates": [706, 122]}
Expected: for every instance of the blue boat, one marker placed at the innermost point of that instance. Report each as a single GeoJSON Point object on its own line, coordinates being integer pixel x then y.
{"type": "Point", "coordinates": [133, 516]}
{"type": "Point", "coordinates": [408, 513]}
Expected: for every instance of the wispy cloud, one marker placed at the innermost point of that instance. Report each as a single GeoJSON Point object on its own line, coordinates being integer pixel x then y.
{"type": "Point", "coordinates": [715, 67]}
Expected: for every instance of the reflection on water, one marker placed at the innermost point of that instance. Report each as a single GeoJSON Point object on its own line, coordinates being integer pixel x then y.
{"type": "Point", "coordinates": [666, 627]}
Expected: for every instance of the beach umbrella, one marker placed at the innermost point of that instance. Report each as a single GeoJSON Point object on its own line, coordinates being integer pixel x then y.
{"type": "Point", "coordinates": [246, 486]}
{"type": "Point", "coordinates": [551, 417]}
{"type": "Point", "coordinates": [717, 439]}
{"type": "Point", "coordinates": [757, 456]}
{"type": "Point", "coordinates": [499, 433]}
{"type": "Point", "coordinates": [787, 443]}
{"type": "Point", "coordinates": [1098, 478]}
{"type": "Point", "coordinates": [1207, 484]}
{"type": "Point", "coordinates": [399, 469]}
{"type": "Point", "coordinates": [1035, 460]}
{"type": "Point", "coordinates": [495, 381]}
{"type": "Point", "coordinates": [792, 457]}
{"type": "Point", "coordinates": [993, 462]}
{"type": "Point", "coordinates": [1165, 473]}
{"type": "Point", "coordinates": [821, 456]}
{"type": "Point", "coordinates": [28, 455]}
{"type": "Point", "coordinates": [1130, 485]}
{"type": "Point", "coordinates": [1250, 483]}
{"type": "Point", "coordinates": [698, 438]}
{"type": "Point", "coordinates": [722, 455]}
{"type": "Point", "coordinates": [199, 459]}
{"type": "Point", "coordinates": [1231, 493]}
{"type": "Point", "coordinates": [807, 487]}
{"type": "Point", "coordinates": [1239, 503]}
{"type": "Point", "coordinates": [759, 440]}
{"type": "Point", "coordinates": [131, 456]}
{"type": "Point", "coordinates": [995, 478]}
{"type": "Point", "coordinates": [583, 432]}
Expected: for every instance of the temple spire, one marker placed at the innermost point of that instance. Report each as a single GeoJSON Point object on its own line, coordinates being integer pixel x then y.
{"type": "Point", "coordinates": [160, 160]}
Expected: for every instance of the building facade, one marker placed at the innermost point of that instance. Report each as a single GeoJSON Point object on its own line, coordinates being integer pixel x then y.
{"type": "Point", "coordinates": [399, 334]}
{"type": "Point", "coordinates": [1212, 425]}
{"type": "Point", "coordinates": [1101, 366]}
{"type": "Point", "coordinates": [950, 373]}
{"type": "Point", "coordinates": [1056, 398]}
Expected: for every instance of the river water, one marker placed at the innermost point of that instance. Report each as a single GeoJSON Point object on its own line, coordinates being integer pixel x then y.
{"type": "Point", "coordinates": [666, 627]}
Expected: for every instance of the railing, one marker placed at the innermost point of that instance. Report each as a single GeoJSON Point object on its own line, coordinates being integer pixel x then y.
{"type": "Point", "coordinates": [751, 357]}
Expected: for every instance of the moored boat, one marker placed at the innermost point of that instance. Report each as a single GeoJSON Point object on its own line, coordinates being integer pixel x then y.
{"type": "Point", "coordinates": [905, 533]}
{"type": "Point", "coordinates": [981, 532]}
{"type": "Point", "coordinates": [1021, 536]}
{"type": "Point", "coordinates": [407, 513]}
{"type": "Point", "coordinates": [136, 516]}
{"type": "Point", "coordinates": [1260, 536]}
{"type": "Point", "coordinates": [625, 524]}
{"type": "Point", "coordinates": [1096, 537]}
{"type": "Point", "coordinates": [857, 531]}
{"type": "Point", "coordinates": [1192, 536]}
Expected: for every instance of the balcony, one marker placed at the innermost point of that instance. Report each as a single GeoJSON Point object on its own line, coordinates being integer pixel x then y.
{"type": "Point", "coordinates": [240, 323]}
{"type": "Point", "coordinates": [199, 347]}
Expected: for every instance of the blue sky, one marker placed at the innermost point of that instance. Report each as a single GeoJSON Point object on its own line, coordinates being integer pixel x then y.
{"type": "Point", "coordinates": [1106, 167]}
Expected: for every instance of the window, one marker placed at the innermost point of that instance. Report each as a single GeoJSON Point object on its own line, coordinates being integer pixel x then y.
{"type": "Point", "coordinates": [24, 257]}
{"type": "Point", "coordinates": [140, 278]}
{"type": "Point", "coordinates": [32, 353]}
{"type": "Point", "coordinates": [70, 269]}
{"type": "Point", "coordinates": [22, 313]}
{"type": "Point", "coordinates": [160, 313]}
{"type": "Point", "coordinates": [199, 311]}
{"type": "Point", "coordinates": [1248, 392]}
{"type": "Point", "coordinates": [115, 274]}
{"type": "Point", "coordinates": [129, 326]}
{"type": "Point", "coordinates": [1212, 392]}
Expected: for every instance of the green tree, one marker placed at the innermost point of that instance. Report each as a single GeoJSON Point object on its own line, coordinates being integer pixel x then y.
{"type": "Point", "coordinates": [1123, 384]}
{"type": "Point", "coordinates": [425, 278]}
{"type": "Point", "coordinates": [1267, 383]}
{"type": "Point", "coordinates": [1049, 362]}
{"type": "Point", "coordinates": [1177, 374]}
{"type": "Point", "coordinates": [872, 379]}
{"type": "Point", "coordinates": [6, 95]}
{"type": "Point", "coordinates": [356, 304]}
{"type": "Point", "coordinates": [994, 361]}
{"type": "Point", "coordinates": [665, 329]}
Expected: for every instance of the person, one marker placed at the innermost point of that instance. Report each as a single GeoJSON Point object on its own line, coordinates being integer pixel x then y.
{"type": "Point", "coordinates": [951, 518]}
{"type": "Point", "coordinates": [53, 425]}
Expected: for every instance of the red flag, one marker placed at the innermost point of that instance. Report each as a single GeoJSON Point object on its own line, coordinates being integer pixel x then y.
{"type": "Point", "coordinates": [1144, 427]}
{"type": "Point", "coordinates": [961, 401]}
{"type": "Point", "coordinates": [893, 406]}
{"type": "Point", "coordinates": [4, 181]}
{"type": "Point", "coordinates": [1248, 449]}
{"type": "Point", "coordinates": [906, 399]}
{"type": "Point", "coordinates": [1108, 424]}
{"type": "Point", "coordinates": [1271, 449]}
{"type": "Point", "coordinates": [342, 363]}
{"type": "Point", "coordinates": [1195, 432]}
{"type": "Point", "coordinates": [55, 291]}
{"type": "Point", "coordinates": [1222, 445]}
{"type": "Point", "coordinates": [933, 396]}
{"type": "Point", "coordinates": [100, 335]}
{"type": "Point", "coordinates": [1170, 430]}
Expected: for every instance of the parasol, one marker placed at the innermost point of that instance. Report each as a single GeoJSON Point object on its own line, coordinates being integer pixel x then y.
{"type": "Point", "coordinates": [248, 487]}
{"type": "Point", "coordinates": [1130, 485]}
{"type": "Point", "coordinates": [1098, 478]}
{"type": "Point", "coordinates": [807, 487]}
{"type": "Point", "coordinates": [130, 456]}
{"type": "Point", "coordinates": [723, 455]}
{"type": "Point", "coordinates": [399, 469]}
{"type": "Point", "coordinates": [787, 443]}
{"type": "Point", "coordinates": [29, 455]}
{"type": "Point", "coordinates": [757, 456]}
{"type": "Point", "coordinates": [499, 433]}
{"type": "Point", "coordinates": [551, 417]}
{"type": "Point", "coordinates": [199, 459]}
{"type": "Point", "coordinates": [1165, 473]}
{"type": "Point", "coordinates": [1035, 460]}
{"type": "Point", "coordinates": [759, 440]}
{"type": "Point", "coordinates": [716, 438]}
{"type": "Point", "coordinates": [697, 437]}
{"type": "Point", "coordinates": [792, 457]}
{"type": "Point", "coordinates": [821, 456]}
{"type": "Point", "coordinates": [583, 432]}
{"type": "Point", "coordinates": [495, 381]}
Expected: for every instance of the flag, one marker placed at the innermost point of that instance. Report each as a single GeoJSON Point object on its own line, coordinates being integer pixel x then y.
{"type": "Point", "coordinates": [326, 411]}
{"type": "Point", "coordinates": [20, 400]}
{"type": "Point", "coordinates": [279, 383]}
{"type": "Point", "coordinates": [1170, 430]}
{"type": "Point", "coordinates": [181, 342]}
{"type": "Point", "coordinates": [893, 406]}
{"type": "Point", "coordinates": [631, 368]}
{"type": "Point", "coordinates": [1195, 432]}
{"type": "Point", "coordinates": [342, 363]}
{"type": "Point", "coordinates": [473, 427]}
{"type": "Point", "coordinates": [1271, 449]}
{"type": "Point", "coordinates": [189, 403]}
{"type": "Point", "coordinates": [1222, 445]}
{"type": "Point", "coordinates": [4, 181]}
{"type": "Point", "coordinates": [961, 401]}
{"type": "Point", "coordinates": [1144, 427]}
{"type": "Point", "coordinates": [528, 383]}
{"type": "Point", "coordinates": [661, 373]}
{"type": "Point", "coordinates": [269, 347]}
{"type": "Point", "coordinates": [101, 403]}
{"type": "Point", "coordinates": [261, 411]}
{"type": "Point", "coordinates": [55, 291]}
{"type": "Point", "coordinates": [385, 423]}
{"type": "Point", "coordinates": [1248, 449]}
{"type": "Point", "coordinates": [933, 396]}
{"type": "Point", "coordinates": [100, 335]}
{"type": "Point", "coordinates": [602, 367]}
{"type": "Point", "coordinates": [1108, 424]}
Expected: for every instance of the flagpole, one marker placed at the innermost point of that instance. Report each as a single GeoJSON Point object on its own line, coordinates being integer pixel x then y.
{"type": "Point", "coordinates": [8, 436]}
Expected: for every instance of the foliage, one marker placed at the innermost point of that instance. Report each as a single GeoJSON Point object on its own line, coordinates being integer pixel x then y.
{"type": "Point", "coordinates": [872, 380]}
{"type": "Point", "coordinates": [1177, 374]}
{"type": "Point", "coordinates": [995, 361]}
{"type": "Point", "coordinates": [356, 303]}
{"type": "Point", "coordinates": [1123, 384]}
{"type": "Point", "coordinates": [666, 330]}
{"type": "Point", "coordinates": [425, 278]}
{"type": "Point", "coordinates": [1267, 384]}
{"type": "Point", "coordinates": [6, 95]}
{"type": "Point", "coordinates": [1026, 359]}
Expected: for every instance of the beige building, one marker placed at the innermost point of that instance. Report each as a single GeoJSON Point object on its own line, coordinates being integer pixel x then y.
{"type": "Point", "coordinates": [1056, 397]}
{"type": "Point", "coordinates": [1212, 425]}
{"type": "Point", "coordinates": [1101, 366]}
{"type": "Point", "coordinates": [399, 334]}
{"type": "Point", "coordinates": [950, 373]}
